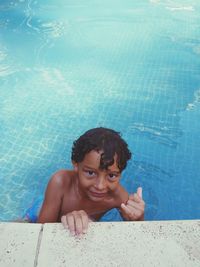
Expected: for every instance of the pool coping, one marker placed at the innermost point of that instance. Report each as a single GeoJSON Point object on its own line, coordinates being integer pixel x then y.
{"type": "Point", "coordinates": [149, 243]}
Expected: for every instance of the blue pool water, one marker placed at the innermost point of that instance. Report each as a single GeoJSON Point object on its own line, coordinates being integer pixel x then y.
{"type": "Point", "coordinates": [134, 66]}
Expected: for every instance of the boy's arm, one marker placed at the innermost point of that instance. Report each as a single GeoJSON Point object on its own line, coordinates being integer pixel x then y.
{"type": "Point", "coordinates": [53, 198]}
{"type": "Point", "coordinates": [121, 196]}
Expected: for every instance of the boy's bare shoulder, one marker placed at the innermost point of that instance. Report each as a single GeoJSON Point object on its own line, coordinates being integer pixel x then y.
{"type": "Point", "coordinates": [62, 178]}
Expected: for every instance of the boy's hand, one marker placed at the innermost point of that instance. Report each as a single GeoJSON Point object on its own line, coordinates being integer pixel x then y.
{"type": "Point", "coordinates": [134, 208]}
{"type": "Point", "coordinates": [76, 222]}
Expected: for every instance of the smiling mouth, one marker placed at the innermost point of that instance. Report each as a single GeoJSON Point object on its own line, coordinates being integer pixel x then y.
{"type": "Point", "coordinates": [99, 195]}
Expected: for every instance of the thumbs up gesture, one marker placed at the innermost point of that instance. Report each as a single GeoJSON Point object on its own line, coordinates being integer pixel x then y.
{"type": "Point", "coordinates": [133, 210]}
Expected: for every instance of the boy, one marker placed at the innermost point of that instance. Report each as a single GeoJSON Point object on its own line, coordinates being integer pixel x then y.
{"type": "Point", "coordinates": [76, 197]}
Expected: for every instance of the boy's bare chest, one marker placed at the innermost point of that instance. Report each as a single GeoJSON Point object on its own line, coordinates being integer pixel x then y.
{"type": "Point", "coordinates": [94, 209]}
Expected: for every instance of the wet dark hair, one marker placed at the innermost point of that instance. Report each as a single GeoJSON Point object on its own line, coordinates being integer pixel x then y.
{"type": "Point", "coordinates": [102, 139]}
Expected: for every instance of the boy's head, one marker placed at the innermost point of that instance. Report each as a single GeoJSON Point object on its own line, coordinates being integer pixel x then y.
{"type": "Point", "coordinates": [106, 141]}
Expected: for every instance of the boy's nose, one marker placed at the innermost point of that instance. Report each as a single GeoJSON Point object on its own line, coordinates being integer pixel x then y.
{"type": "Point", "coordinates": [100, 183]}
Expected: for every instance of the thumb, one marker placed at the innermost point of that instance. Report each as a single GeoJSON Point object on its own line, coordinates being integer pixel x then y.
{"type": "Point", "coordinates": [139, 192]}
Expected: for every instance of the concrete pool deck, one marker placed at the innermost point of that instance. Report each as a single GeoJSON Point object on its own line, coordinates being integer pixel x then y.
{"type": "Point", "coordinates": [155, 243]}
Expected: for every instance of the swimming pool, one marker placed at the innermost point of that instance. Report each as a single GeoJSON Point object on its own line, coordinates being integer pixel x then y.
{"type": "Point", "coordinates": [134, 66]}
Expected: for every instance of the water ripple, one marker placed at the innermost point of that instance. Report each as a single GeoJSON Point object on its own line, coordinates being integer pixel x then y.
{"type": "Point", "coordinates": [164, 135]}
{"type": "Point", "coordinates": [53, 29]}
{"type": "Point", "coordinates": [5, 68]}
{"type": "Point", "coordinates": [181, 8]}
{"type": "Point", "coordinates": [196, 101]}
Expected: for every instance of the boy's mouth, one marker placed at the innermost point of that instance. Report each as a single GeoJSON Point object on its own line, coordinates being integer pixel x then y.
{"type": "Point", "coordinates": [97, 194]}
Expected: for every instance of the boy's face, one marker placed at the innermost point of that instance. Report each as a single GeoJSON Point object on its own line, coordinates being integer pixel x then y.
{"type": "Point", "coordinates": [96, 183]}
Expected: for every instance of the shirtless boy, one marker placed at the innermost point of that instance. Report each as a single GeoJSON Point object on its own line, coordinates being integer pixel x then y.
{"type": "Point", "coordinates": [76, 197]}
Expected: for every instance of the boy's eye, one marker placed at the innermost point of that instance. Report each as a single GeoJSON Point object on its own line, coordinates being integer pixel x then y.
{"type": "Point", "coordinates": [112, 175]}
{"type": "Point", "coordinates": [90, 173]}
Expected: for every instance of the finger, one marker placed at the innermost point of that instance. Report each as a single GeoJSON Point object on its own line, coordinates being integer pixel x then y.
{"type": "Point", "coordinates": [78, 224]}
{"type": "Point", "coordinates": [126, 209]}
{"type": "Point", "coordinates": [139, 192]}
{"type": "Point", "coordinates": [134, 197]}
{"type": "Point", "coordinates": [64, 221]}
{"type": "Point", "coordinates": [85, 221]}
{"type": "Point", "coordinates": [137, 209]}
{"type": "Point", "coordinates": [133, 214]}
{"type": "Point", "coordinates": [71, 223]}
{"type": "Point", "coordinates": [136, 214]}
{"type": "Point", "coordinates": [135, 205]}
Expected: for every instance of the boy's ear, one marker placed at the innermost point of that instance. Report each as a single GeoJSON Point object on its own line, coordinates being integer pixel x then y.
{"type": "Point", "coordinates": [75, 164]}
